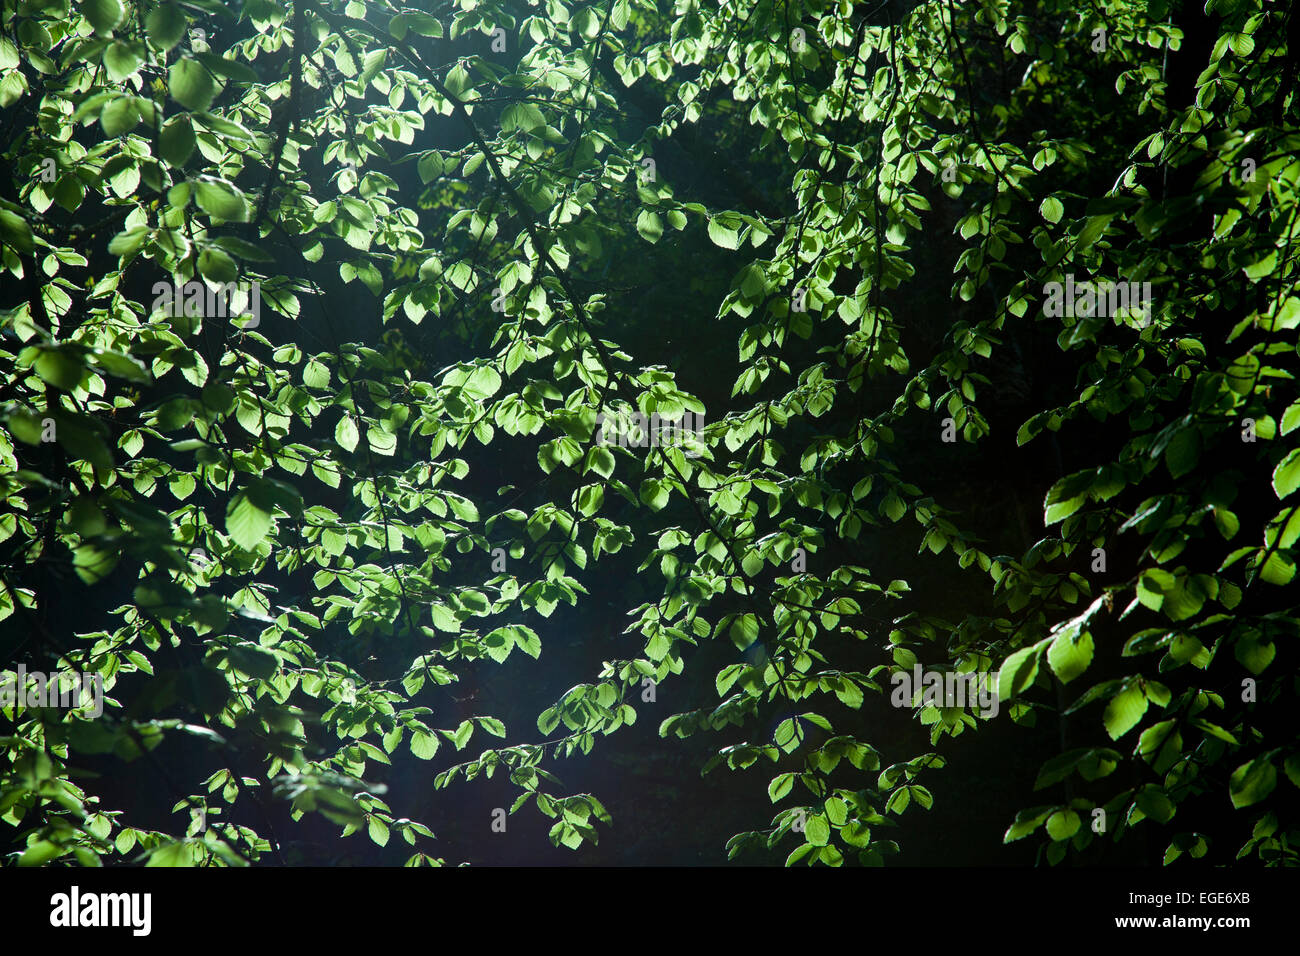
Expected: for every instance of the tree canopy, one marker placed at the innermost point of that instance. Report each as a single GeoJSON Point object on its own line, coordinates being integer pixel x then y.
{"type": "Point", "coordinates": [316, 315]}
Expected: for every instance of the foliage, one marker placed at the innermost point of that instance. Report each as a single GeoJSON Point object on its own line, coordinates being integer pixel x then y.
{"type": "Point", "coordinates": [282, 545]}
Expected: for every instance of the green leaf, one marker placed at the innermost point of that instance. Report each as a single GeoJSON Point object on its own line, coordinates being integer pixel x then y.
{"type": "Point", "coordinates": [744, 630]}
{"type": "Point", "coordinates": [254, 661]}
{"type": "Point", "coordinates": [1286, 476]}
{"type": "Point", "coordinates": [230, 69]}
{"type": "Point", "coordinates": [588, 22]}
{"type": "Point", "coordinates": [817, 830]}
{"type": "Point", "coordinates": [122, 59]}
{"type": "Point", "coordinates": [104, 15]}
{"type": "Point", "coordinates": [93, 563]}
{"type": "Point", "coordinates": [849, 693]}
{"type": "Point", "coordinates": [1292, 767]}
{"type": "Point", "coordinates": [1062, 824]}
{"type": "Point", "coordinates": [1026, 822]}
{"type": "Point", "coordinates": [780, 786]}
{"type": "Point", "coordinates": [521, 116]}
{"type": "Point", "coordinates": [1091, 763]}
{"type": "Point", "coordinates": [723, 233]}
{"type": "Point", "coordinates": [424, 745]}
{"type": "Point", "coordinates": [40, 853]}
{"type": "Point", "coordinates": [899, 801]}
{"type": "Point", "coordinates": [430, 166]}
{"type": "Point", "coordinates": [601, 461]}
{"type": "Point", "coordinates": [191, 84]}
{"type": "Point", "coordinates": [1124, 711]}
{"type": "Point", "coordinates": [165, 25]}
{"type": "Point", "coordinates": [1254, 653]}
{"type": "Point", "coordinates": [1018, 672]}
{"type": "Point", "coordinates": [1070, 654]}
{"type": "Point", "coordinates": [1291, 418]}
{"type": "Point", "coordinates": [1092, 229]}
{"type": "Point", "coordinates": [1183, 452]}
{"type": "Point", "coordinates": [176, 141]}
{"type": "Point", "coordinates": [1153, 802]}
{"type": "Point", "coordinates": [221, 199]}
{"type": "Point", "coordinates": [654, 493]}
{"type": "Point", "coordinates": [216, 266]}
{"type": "Point", "coordinates": [175, 854]}
{"type": "Point", "coordinates": [120, 116]}
{"type": "Point", "coordinates": [423, 24]}
{"type": "Point", "coordinates": [1252, 782]}
{"type": "Point", "coordinates": [247, 522]}
{"type": "Point", "coordinates": [798, 853]}
{"type": "Point", "coordinates": [1160, 745]}
{"type": "Point", "coordinates": [60, 368]}
{"type": "Point", "coordinates": [444, 619]}
{"type": "Point", "coordinates": [244, 249]}
{"type": "Point", "coordinates": [15, 232]}
{"type": "Point", "coordinates": [569, 836]}
{"type": "Point", "coordinates": [1277, 569]}
{"type": "Point", "coordinates": [483, 383]}
{"type": "Point", "coordinates": [649, 225]}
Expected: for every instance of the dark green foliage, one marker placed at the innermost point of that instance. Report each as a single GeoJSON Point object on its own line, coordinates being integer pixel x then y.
{"type": "Point", "coordinates": [372, 527]}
